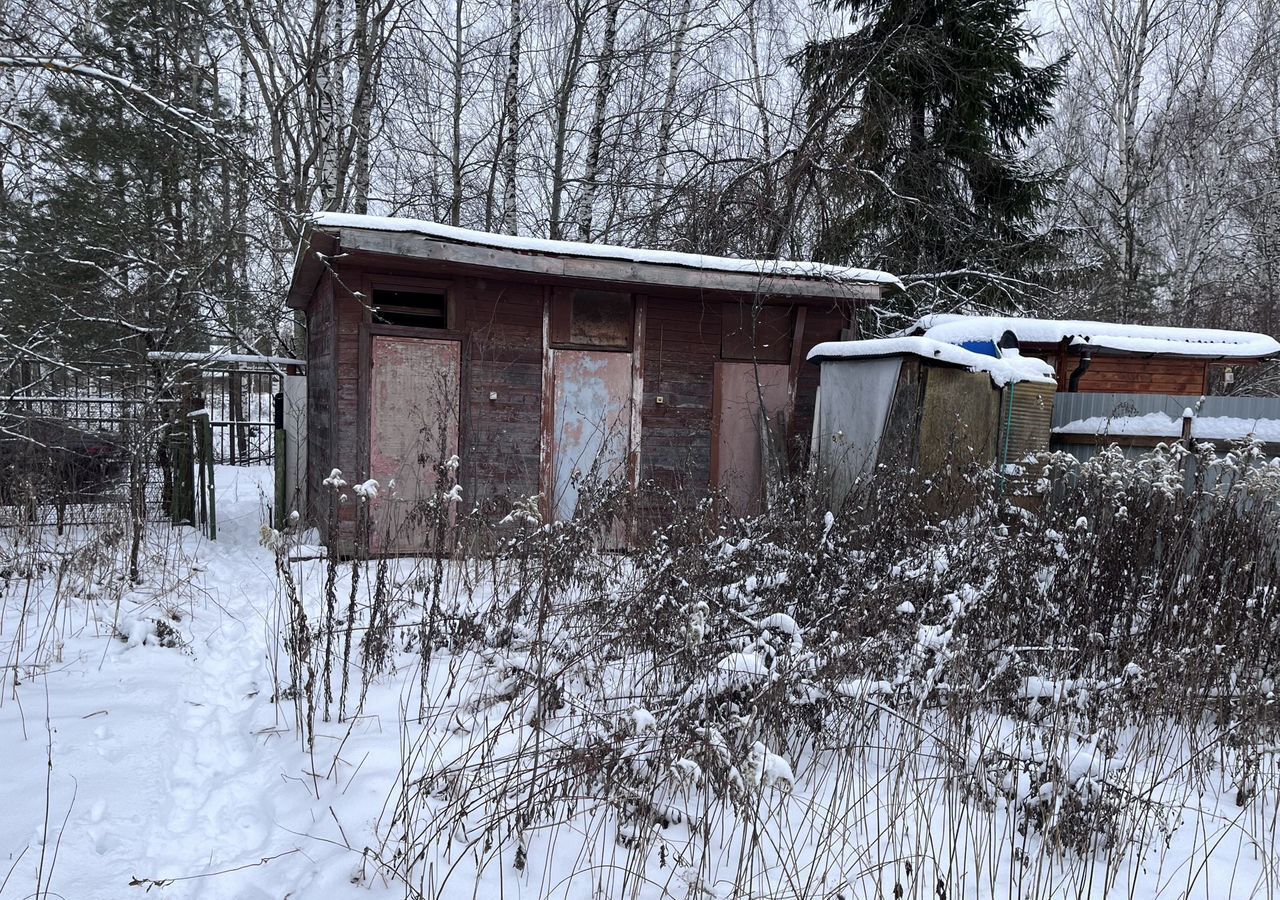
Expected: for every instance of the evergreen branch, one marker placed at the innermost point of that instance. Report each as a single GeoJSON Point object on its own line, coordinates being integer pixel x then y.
{"type": "Point", "coordinates": [182, 115]}
{"type": "Point", "coordinates": [933, 277]}
{"type": "Point", "coordinates": [67, 67]}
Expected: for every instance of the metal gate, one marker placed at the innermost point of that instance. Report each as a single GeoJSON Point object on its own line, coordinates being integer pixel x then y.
{"type": "Point", "coordinates": [89, 437]}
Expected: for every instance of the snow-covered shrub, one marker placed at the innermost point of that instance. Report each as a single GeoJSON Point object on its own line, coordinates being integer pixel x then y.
{"type": "Point", "coordinates": [1030, 655]}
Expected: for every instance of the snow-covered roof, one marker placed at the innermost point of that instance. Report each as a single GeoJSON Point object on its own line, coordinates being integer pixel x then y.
{"type": "Point", "coordinates": [1003, 370]}
{"type": "Point", "coordinates": [769, 268]}
{"type": "Point", "coordinates": [1147, 339]}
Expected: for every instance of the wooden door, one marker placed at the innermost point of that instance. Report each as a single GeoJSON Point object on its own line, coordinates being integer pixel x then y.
{"type": "Point", "coordinates": [749, 426]}
{"type": "Point", "coordinates": [591, 428]}
{"type": "Point", "coordinates": [413, 429]}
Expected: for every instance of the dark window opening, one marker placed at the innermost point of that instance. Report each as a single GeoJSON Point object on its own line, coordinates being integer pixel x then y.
{"type": "Point", "coordinates": [413, 309]}
{"type": "Point", "coordinates": [587, 318]}
{"type": "Point", "coordinates": [601, 318]}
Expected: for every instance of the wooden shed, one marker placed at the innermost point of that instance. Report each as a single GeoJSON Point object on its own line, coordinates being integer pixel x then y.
{"type": "Point", "coordinates": [541, 364]}
{"type": "Point", "coordinates": [913, 403]}
{"type": "Point", "coordinates": [1107, 357]}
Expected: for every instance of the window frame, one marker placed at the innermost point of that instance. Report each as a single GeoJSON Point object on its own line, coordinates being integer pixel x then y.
{"type": "Point", "coordinates": [415, 285]}
{"type": "Point", "coordinates": [560, 336]}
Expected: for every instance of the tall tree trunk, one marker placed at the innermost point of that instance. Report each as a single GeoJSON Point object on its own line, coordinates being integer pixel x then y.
{"type": "Point", "coordinates": [511, 112]}
{"type": "Point", "coordinates": [564, 98]}
{"type": "Point", "coordinates": [455, 144]}
{"type": "Point", "coordinates": [493, 215]}
{"type": "Point", "coordinates": [604, 87]}
{"type": "Point", "coordinates": [325, 115]}
{"type": "Point", "coordinates": [364, 104]}
{"type": "Point", "coordinates": [770, 200]}
{"type": "Point", "coordinates": [1132, 57]}
{"type": "Point", "coordinates": [666, 122]}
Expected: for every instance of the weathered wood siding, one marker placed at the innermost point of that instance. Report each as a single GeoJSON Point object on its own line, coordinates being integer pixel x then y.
{"type": "Point", "coordinates": [322, 398]}
{"type": "Point", "coordinates": [503, 321]}
{"type": "Point", "coordinates": [681, 346]}
{"type": "Point", "coordinates": [349, 414]}
{"type": "Point", "coordinates": [500, 325]}
{"type": "Point", "coordinates": [1131, 374]}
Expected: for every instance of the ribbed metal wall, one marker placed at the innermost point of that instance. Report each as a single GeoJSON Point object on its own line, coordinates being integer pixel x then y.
{"type": "Point", "coordinates": [1074, 407]}
{"type": "Point", "coordinates": [1026, 412]}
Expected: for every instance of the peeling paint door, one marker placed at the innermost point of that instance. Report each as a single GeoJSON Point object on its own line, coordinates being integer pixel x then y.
{"type": "Point", "coordinates": [591, 431]}
{"type": "Point", "coordinates": [413, 428]}
{"type": "Point", "coordinates": [752, 405]}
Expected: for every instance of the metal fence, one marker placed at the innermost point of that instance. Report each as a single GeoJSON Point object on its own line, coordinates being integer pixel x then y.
{"type": "Point", "coordinates": [1079, 407]}
{"type": "Point", "coordinates": [240, 400]}
{"type": "Point", "coordinates": [80, 436]}
{"type": "Point", "coordinates": [241, 405]}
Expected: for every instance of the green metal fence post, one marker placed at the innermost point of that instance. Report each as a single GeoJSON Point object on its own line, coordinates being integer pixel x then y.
{"type": "Point", "coordinates": [281, 465]}
{"type": "Point", "coordinates": [207, 434]}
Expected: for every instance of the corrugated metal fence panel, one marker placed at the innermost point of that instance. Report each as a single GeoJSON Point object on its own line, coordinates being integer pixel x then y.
{"type": "Point", "coordinates": [1070, 407]}
{"type": "Point", "coordinates": [1074, 407]}
{"type": "Point", "coordinates": [1027, 411]}
{"type": "Point", "coordinates": [1084, 452]}
{"type": "Point", "coordinates": [1242, 407]}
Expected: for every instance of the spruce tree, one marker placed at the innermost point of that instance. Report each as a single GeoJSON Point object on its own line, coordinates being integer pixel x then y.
{"type": "Point", "coordinates": [121, 252]}
{"type": "Point", "coordinates": [928, 105]}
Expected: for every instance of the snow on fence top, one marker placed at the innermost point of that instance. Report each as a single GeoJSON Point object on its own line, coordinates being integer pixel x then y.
{"type": "Point", "coordinates": [1160, 339]}
{"type": "Point", "coordinates": [1003, 370]}
{"type": "Point", "coordinates": [218, 357]}
{"type": "Point", "coordinates": [772, 268]}
{"type": "Point", "coordinates": [1162, 425]}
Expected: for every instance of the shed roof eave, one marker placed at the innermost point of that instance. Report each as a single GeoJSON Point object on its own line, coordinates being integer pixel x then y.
{"type": "Point", "coordinates": [596, 268]}
{"type": "Point", "coordinates": [309, 266]}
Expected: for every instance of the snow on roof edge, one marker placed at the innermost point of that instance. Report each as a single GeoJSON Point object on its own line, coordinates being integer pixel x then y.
{"type": "Point", "coordinates": [774, 268]}
{"type": "Point", "coordinates": [1005, 370]}
{"type": "Point", "coordinates": [1151, 339]}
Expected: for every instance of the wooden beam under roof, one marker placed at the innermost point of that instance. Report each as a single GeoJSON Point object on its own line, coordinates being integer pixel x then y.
{"type": "Point", "coordinates": [540, 265]}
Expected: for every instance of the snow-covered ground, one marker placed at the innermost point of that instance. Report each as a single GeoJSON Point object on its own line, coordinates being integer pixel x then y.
{"type": "Point", "coordinates": [135, 763]}
{"type": "Point", "coordinates": [132, 763]}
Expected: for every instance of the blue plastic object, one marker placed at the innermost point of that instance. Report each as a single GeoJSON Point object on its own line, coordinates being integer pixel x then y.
{"type": "Point", "coordinates": [986, 348]}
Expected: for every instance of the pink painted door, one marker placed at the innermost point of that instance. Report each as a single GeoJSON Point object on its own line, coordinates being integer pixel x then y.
{"type": "Point", "coordinates": [413, 428]}
{"type": "Point", "coordinates": [591, 431]}
{"type": "Point", "coordinates": [753, 403]}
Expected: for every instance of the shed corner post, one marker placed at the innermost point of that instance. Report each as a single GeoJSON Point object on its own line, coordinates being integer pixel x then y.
{"type": "Point", "coordinates": [545, 450]}
{"type": "Point", "coordinates": [793, 374]}
{"type": "Point", "coordinates": [637, 406]}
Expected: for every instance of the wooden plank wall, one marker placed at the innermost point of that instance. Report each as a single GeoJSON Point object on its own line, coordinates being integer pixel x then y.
{"type": "Point", "coordinates": [1154, 375]}
{"type": "Point", "coordinates": [503, 325]}
{"type": "Point", "coordinates": [321, 398]}
{"type": "Point", "coordinates": [347, 452]}
{"type": "Point", "coordinates": [1131, 374]}
{"type": "Point", "coordinates": [682, 343]}
{"type": "Point", "coordinates": [504, 321]}
{"type": "Point", "coordinates": [501, 322]}
{"type": "Point", "coordinates": [682, 346]}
